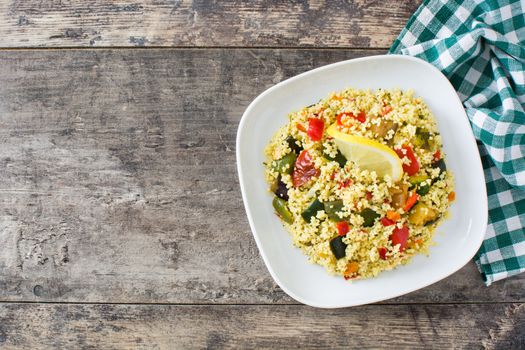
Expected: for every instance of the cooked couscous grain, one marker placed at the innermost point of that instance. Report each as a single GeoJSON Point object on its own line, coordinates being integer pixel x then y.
{"type": "Point", "coordinates": [352, 221]}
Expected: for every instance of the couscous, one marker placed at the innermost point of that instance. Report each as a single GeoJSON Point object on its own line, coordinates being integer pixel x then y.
{"type": "Point", "coordinates": [359, 180]}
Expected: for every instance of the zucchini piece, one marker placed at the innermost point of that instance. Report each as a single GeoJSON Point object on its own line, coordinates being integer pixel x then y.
{"type": "Point", "coordinates": [282, 210]}
{"type": "Point", "coordinates": [369, 217]}
{"type": "Point", "coordinates": [338, 247]}
{"type": "Point", "coordinates": [332, 208]}
{"type": "Point", "coordinates": [339, 158]}
{"type": "Point", "coordinates": [441, 165]}
{"type": "Point", "coordinates": [292, 143]}
{"type": "Point", "coordinates": [423, 189]}
{"type": "Point", "coordinates": [421, 139]}
{"type": "Point", "coordinates": [312, 210]}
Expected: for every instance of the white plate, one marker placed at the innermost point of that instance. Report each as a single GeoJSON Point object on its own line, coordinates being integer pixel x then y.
{"type": "Point", "coordinates": [458, 238]}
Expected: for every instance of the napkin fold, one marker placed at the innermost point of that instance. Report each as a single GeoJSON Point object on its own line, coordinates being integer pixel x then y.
{"type": "Point", "coordinates": [480, 47]}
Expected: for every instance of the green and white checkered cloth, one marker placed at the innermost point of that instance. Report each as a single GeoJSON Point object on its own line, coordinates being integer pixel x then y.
{"type": "Point", "coordinates": [480, 47]}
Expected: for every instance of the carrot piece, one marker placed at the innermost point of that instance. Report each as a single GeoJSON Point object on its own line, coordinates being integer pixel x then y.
{"type": "Point", "coordinates": [411, 201]}
{"type": "Point", "coordinates": [300, 127]}
{"type": "Point", "coordinates": [452, 196]}
{"type": "Point", "coordinates": [351, 270]}
{"type": "Point", "coordinates": [393, 215]}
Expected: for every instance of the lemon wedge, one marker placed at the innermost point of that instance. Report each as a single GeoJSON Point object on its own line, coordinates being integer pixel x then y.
{"type": "Point", "coordinates": [368, 154]}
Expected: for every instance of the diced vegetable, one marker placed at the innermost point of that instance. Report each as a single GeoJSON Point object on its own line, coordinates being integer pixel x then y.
{"type": "Point", "coordinates": [338, 247]}
{"type": "Point", "coordinates": [400, 236]}
{"type": "Point", "coordinates": [437, 155]}
{"type": "Point", "coordinates": [301, 127]}
{"type": "Point", "coordinates": [282, 209]}
{"type": "Point", "coordinates": [312, 210]}
{"type": "Point", "coordinates": [369, 216]}
{"type": "Point", "coordinates": [387, 222]}
{"type": "Point", "coordinates": [304, 169]}
{"type": "Point", "coordinates": [399, 196]}
{"type": "Point", "coordinates": [332, 208]}
{"type": "Point", "coordinates": [421, 214]}
{"type": "Point", "coordinates": [315, 129]}
{"type": "Point", "coordinates": [281, 190]}
{"type": "Point", "coordinates": [382, 129]}
{"type": "Point", "coordinates": [342, 228]}
{"type": "Point", "coordinates": [285, 165]}
{"type": "Point", "coordinates": [382, 252]}
{"type": "Point", "coordinates": [441, 165]}
{"type": "Point", "coordinates": [413, 166]}
{"type": "Point", "coordinates": [423, 189]}
{"type": "Point", "coordinates": [451, 196]}
{"type": "Point", "coordinates": [351, 269]}
{"type": "Point", "coordinates": [421, 138]}
{"type": "Point", "coordinates": [292, 143]}
{"type": "Point", "coordinates": [417, 179]}
{"type": "Point", "coordinates": [339, 158]}
{"type": "Point", "coordinates": [393, 215]}
{"type": "Point", "coordinates": [361, 116]}
{"type": "Point", "coordinates": [411, 201]}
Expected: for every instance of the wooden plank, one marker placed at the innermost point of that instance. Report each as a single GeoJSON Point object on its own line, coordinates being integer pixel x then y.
{"type": "Point", "coordinates": [118, 179]}
{"type": "Point", "coordinates": [319, 23]}
{"type": "Point", "coordinates": [31, 326]}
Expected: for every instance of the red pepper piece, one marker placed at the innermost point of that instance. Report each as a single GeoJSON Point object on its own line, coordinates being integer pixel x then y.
{"type": "Point", "coordinates": [315, 129]}
{"type": "Point", "coordinates": [387, 222]}
{"type": "Point", "coordinates": [382, 252]}
{"type": "Point", "coordinates": [437, 155]}
{"type": "Point", "coordinates": [400, 236]}
{"type": "Point", "coordinates": [304, 169]}
{"type": "Point", "coordinates": [413, 166]}
{"type": "Point", "coordinates": [342, 228]}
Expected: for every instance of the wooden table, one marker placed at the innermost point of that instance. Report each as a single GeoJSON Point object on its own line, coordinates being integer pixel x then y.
{"type": "Point", "coordinates": [122, 224]}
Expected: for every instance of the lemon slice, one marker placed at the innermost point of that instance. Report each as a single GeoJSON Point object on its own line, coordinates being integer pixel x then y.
{"type": "Point", "coordinates": [368, 154]}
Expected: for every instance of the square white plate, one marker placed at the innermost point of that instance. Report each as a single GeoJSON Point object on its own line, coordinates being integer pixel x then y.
{"type": "Point", "coordinates": [458, 238]}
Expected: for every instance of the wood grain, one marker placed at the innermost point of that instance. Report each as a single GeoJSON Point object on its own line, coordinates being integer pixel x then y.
{"type": "Point", "coordinates": [496, 326]}
{"type": "Point", "coordinates": [270, 23]}
{"type": "Point", "coordinates": [118, 179]}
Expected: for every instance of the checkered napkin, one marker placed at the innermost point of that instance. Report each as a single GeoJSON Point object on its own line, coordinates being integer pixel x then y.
{"type": "Point", "coordinates": [480, 47]}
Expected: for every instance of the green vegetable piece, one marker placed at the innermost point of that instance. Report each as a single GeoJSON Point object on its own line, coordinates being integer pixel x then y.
{"type": "Point", "coordinates": [282, 210]}
{"type": "Point", "coordinates": [339, 158]}
{"type": "Point", "coordinates": [441, 165]}
{"type": "Point", "coordinates": [332, 208]}
{"type": "Point", "coordinates": [285, 164]}
{"type": "Point", "coordinates": [338, 247]}
{"type": "Point", "coordinates": [421, 139]}
{"type": "Point", "coordinates": [292, 143]}
{"type": "Point", "coordinates": [369, 216]}
{"type": "Point", "coordinates": [423, 189]}
{"type": "Point", "coordinates": [417, 179]}
{"type": "Point", "coordinates": [312, 210]}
